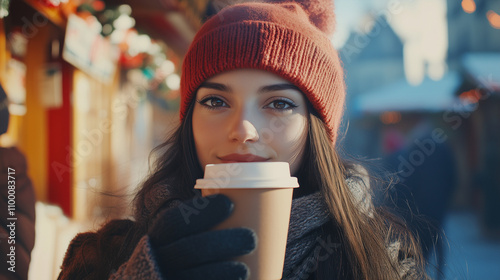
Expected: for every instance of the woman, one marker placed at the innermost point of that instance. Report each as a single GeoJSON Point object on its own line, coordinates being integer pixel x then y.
{"type": "Point", "coordinates": [260, 82]}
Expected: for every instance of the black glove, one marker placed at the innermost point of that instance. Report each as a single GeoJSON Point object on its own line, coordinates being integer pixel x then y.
{"type": "Point", "coordinates": [185, 249]}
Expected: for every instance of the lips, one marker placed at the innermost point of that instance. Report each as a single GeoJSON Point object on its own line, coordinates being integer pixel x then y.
{"type": "Point", "coordinates": [241, 158]}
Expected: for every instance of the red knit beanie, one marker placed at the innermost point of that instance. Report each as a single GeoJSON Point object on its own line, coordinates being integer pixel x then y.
{"type": "Point", "coordinates": [289, 39]}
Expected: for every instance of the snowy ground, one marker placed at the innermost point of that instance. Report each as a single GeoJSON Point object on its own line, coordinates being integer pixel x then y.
{"type": "Point", "coordinates": [468, 254]}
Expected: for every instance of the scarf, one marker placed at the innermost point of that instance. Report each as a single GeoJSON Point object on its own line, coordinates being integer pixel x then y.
{"type": "Point", "coordinates": [308, 214]}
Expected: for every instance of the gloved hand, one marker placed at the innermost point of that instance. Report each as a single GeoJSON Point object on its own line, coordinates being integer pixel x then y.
{"type": "Point", "coordinates": [185, 249]}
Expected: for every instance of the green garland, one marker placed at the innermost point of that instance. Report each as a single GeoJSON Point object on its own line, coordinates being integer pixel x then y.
{"type": "Point", "coordinates": [4, 8]}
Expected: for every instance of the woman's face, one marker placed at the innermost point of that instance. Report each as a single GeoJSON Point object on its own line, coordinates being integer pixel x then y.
{"type": "Point", "coordinates": [249, 115]}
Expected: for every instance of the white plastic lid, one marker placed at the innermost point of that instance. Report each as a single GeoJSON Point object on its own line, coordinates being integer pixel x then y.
{"type": "Point", "coordinates": [247, 175]}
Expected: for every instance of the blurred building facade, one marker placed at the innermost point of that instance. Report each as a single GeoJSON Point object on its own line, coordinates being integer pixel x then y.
{"type": "Point", "coordinates": [381, 120]}
{"type": "Point", "coordinates": [93, 86]}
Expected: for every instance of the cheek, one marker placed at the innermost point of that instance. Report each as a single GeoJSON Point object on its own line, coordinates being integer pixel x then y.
{"type": "Point", "coordinates": [290, 143]}
{"type": "Point", "coordinates": [204, 133]}
{"type": "Point", "coordinates": [209, 133]}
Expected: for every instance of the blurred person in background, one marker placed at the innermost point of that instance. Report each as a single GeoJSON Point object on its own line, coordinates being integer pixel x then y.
{"type": "Point", "coordinates": [17, 191]}
{"type": "Point", "coordinates": [260, 82]}
{"type": "Point", "coordinates": [425, 181]}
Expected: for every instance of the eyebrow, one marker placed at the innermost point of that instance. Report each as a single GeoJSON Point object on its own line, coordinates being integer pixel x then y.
{"type": "Point", "coordinates": [264, 89]}
{"type": "Point", "coordinates": [215, 86]}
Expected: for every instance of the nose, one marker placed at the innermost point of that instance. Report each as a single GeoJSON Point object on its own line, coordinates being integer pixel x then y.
{"type": "Point", "coordinates": [243, 130]}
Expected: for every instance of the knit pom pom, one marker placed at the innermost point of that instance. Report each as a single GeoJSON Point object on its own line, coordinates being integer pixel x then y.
{"type": "Point", "coordinates": [321, 13]}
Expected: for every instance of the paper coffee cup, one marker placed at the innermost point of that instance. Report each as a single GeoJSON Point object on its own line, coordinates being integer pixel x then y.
{"type": "Point", "coordinates": [262, 196]}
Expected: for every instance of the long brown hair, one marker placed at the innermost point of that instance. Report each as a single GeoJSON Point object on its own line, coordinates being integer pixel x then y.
{"type": "Point", "coordinates": [365, 237]}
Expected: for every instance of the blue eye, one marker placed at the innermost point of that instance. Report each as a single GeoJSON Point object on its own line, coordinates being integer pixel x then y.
{"type": "Point", "coordinates": [212, 102]}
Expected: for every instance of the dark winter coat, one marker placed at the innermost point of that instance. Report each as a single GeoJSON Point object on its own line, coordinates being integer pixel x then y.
{"type": "Point", "coordinates": [306, 240]}
{"type": "Point", "coordinates": [17, 215]}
